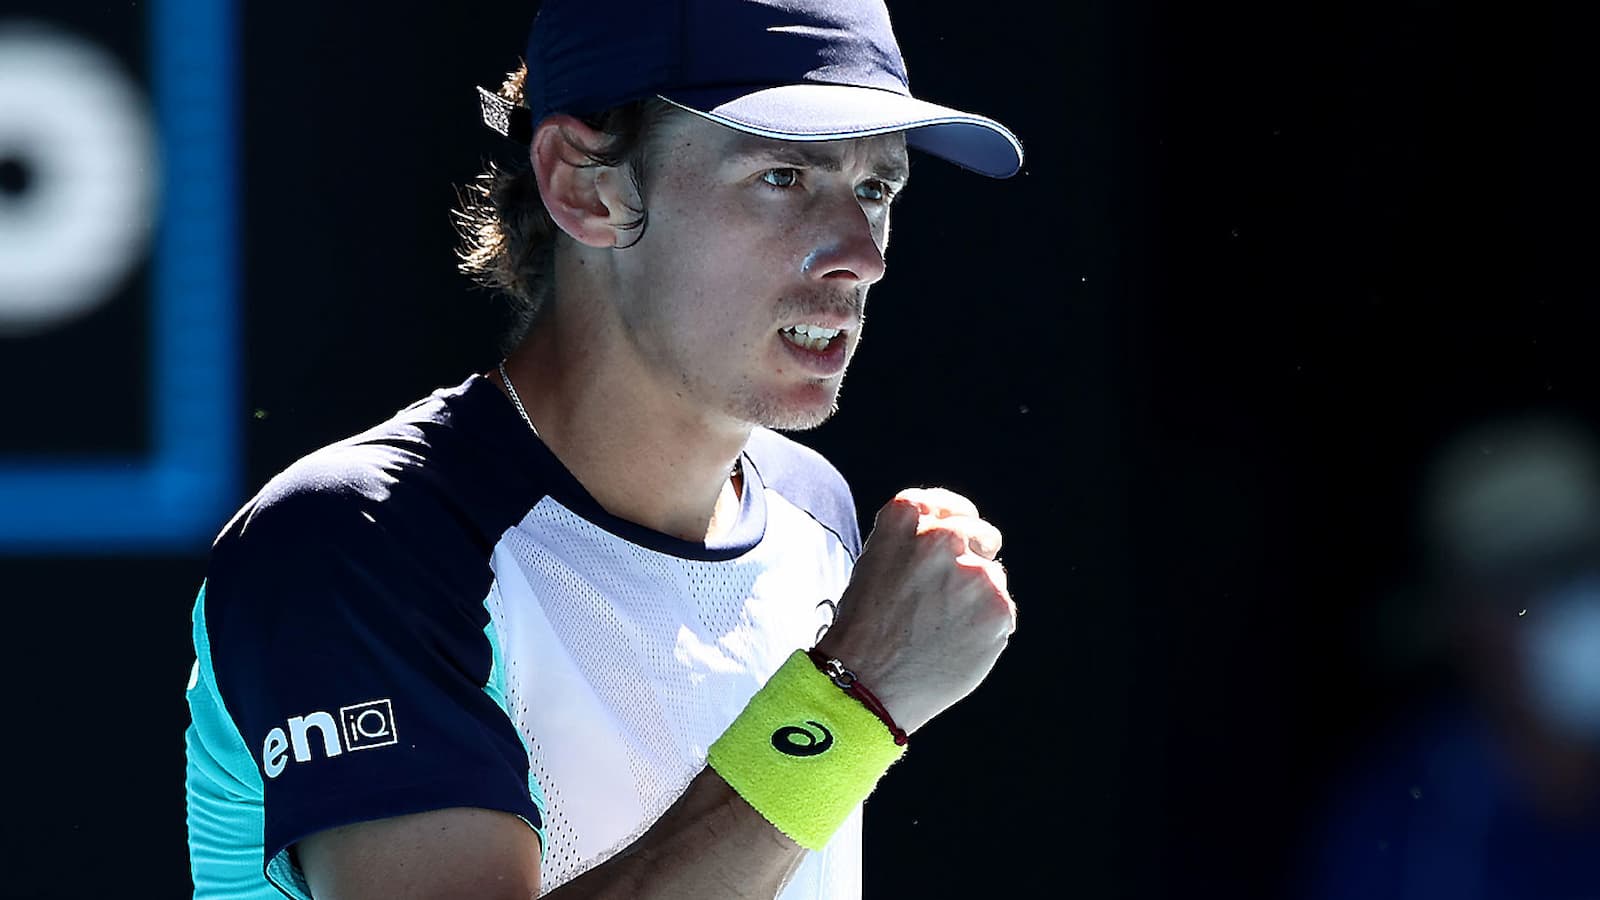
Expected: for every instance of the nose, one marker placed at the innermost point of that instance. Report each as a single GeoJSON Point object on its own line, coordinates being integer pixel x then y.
{"type": "Point", "coordinates": [849, 246]}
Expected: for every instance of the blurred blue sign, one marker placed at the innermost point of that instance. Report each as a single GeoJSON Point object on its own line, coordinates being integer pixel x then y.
{"type": "Point", "coordinates": [176, 495]}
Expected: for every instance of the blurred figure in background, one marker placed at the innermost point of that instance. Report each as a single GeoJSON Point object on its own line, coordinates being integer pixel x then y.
{"type": "Point", "coordinates": [1491, 791]}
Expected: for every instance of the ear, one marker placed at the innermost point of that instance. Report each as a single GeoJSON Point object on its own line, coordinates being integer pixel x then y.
{"type": "Point", "coordinates": [586, 200]}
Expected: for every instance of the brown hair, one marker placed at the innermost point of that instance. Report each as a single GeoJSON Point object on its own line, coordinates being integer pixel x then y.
{"type": "Point", "coordinates": [508, 239]}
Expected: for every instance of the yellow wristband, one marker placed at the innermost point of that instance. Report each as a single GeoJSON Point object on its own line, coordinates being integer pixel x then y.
{"type": "Point", "coordinates": [804, 753]}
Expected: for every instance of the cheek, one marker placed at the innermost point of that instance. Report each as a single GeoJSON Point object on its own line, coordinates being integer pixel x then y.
{"type": "Point", "coordinates": [732, 245]}
{"type": "Point", "coordinates": [718, 233]}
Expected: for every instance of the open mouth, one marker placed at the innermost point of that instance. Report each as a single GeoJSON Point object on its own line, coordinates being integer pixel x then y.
{"type": "Point", "coordinates": [811, 337]}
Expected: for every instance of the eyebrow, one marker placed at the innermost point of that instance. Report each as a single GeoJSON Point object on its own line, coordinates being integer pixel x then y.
{"type": "Point", "coordinates": [888, 167]}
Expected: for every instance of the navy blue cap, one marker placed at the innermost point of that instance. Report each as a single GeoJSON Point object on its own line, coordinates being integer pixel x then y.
{"type": "Point", "coordinates": [794, 70]}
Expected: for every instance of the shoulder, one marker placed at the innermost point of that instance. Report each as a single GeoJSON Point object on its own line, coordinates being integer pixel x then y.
{"type": "Point", "coordinates": [366, 560]}
{"type": "Point", "coordinates": [805, 478]}
{"type": "Point", "coordinates": [439, 465]}
{"type": "Point", "coordinates": [344, 497]}
{"type": "Point", "coordinates": [424, 495]}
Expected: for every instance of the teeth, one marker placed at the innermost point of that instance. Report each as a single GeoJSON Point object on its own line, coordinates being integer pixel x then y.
{"type": "Point", "coordinates": [814, 331]}
{"type": "Point", "coordinates": [811, 337]}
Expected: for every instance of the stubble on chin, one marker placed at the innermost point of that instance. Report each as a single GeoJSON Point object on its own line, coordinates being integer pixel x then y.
{"type": "Point", "coordinates": [768, 413]}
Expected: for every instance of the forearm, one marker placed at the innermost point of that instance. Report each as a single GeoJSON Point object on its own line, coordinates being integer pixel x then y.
{"type": "Point", "coordinates": [710, 845]}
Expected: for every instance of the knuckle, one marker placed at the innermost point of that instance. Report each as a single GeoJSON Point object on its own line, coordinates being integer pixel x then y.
{"type": "Point", "coordinates": [958, 503]}
{"type": "Point", "coordinates": [991, 539]}
{"type": "Point", "coordinates": [993, 580]}
{"type": "Point", "coordinates": [992, 605]}
{"type": "Point", "coordinates": [938, 501]}
{"type": "Point", "coordinates": [1005, 611]}
{"type": "Point", "coordinates": [901, 507]}
{"type": "Point", "coordinates": [982, 575]}
{"type": "Point", "coordinates": [945, 538]}
{"type": "Point", "coordinates": [917, 498]}
{"type": "Point", "coordinates": [997, 586]}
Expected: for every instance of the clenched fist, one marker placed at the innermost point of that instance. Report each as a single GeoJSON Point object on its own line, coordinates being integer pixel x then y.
{"type": "Point", "coordinates": [926, 613]}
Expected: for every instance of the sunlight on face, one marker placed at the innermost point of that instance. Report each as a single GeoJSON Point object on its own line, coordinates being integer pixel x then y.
{"type": "Point", "coordinates": [747, 291]}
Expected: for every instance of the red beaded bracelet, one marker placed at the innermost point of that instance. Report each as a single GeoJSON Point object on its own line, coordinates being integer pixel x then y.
{"type": "Point", "coordinates": [847, 681]}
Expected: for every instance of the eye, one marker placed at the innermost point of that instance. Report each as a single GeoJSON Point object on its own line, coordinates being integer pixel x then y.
{"type": "Point", "coordinates": [781, 178]}
{"type": "Point", "coordinates": [876, 191]}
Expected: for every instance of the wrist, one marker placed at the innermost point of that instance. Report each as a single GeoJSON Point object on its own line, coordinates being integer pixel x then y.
{"type": "Point", "coordinates": [803, 753]}
{"type": "Point", "coordinates": [851, 684]}
{"type": "Point", "coordinates": [873, 674]}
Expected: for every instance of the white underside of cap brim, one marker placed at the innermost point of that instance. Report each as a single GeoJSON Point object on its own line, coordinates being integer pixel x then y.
{"type": "Point", "coordinates": [832, 112]}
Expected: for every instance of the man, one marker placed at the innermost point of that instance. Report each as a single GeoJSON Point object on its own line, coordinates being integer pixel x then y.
{"type": "Point", "coordinates": [548, 630]}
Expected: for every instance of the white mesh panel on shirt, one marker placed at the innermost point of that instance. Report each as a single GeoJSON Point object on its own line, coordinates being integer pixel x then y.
{"type": "Point", "coordinates": [624, 664]}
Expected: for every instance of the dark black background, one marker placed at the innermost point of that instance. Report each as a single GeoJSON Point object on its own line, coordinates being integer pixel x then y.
{"type": "Point", "coordinates": [1262, 259]}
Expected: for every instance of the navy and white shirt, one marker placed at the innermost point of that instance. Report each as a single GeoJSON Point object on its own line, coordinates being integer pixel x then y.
{"type": "Point", "coordinates": [436, 614]}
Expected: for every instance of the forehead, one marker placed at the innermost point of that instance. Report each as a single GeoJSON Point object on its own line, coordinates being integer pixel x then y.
{"type": "Point", "coordinates": [881, 155]}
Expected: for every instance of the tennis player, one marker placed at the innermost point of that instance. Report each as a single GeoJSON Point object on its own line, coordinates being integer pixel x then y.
{"type": "Point", "coordinates": [587, 624]}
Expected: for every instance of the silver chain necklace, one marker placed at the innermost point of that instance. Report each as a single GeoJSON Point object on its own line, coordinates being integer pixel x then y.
{"type": "Point", "coordinates": [523, 412]}
{"type": "Point", "coordinates": [512, 390]}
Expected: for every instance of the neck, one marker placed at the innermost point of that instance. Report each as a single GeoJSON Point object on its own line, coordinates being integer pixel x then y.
{"type": "Point", "coordinates": [644, 457]}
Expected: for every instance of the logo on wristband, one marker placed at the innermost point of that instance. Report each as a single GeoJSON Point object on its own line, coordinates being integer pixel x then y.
{"type": "Point", "coordinates": [792, 740]}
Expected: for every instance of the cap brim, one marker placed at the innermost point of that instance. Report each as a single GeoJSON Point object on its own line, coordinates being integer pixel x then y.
{"type": "Point", "coordinates": [831, 112]}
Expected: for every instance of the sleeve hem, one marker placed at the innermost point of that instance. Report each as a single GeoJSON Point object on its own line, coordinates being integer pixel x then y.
{"type": "Point", "coordinates": [351, 807]}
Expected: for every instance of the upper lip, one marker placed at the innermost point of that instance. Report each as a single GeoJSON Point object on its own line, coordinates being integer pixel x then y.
{"type": "Point", "coordinates": [838, 323]}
